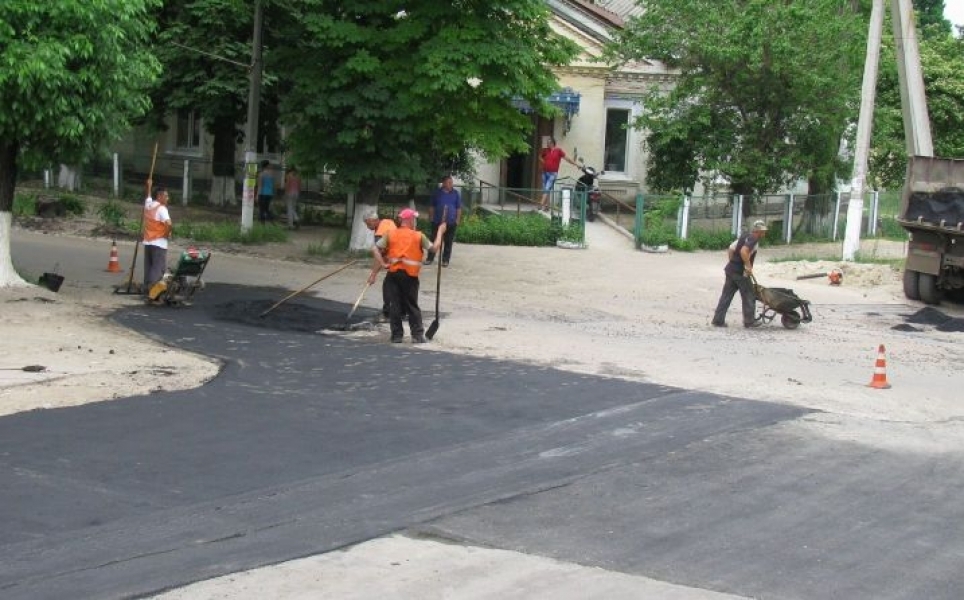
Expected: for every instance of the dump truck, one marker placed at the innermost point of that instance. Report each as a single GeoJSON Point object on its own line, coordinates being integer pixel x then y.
{"type": "Point", "coordinates": [932, 212]}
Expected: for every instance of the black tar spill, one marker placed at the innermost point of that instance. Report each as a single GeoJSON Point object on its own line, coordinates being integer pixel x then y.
{"type": "Point", "coordinates": [931, 316]}
{"type": "Point", "coordinates": [290, 316]}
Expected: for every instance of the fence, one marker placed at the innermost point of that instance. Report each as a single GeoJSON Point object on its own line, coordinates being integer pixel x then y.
{"type": "Point", "coordinates": [789, 217]}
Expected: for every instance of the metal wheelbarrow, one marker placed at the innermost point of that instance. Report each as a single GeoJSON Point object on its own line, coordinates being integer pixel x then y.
{"type": "Point", "coordinates": [792, 309]}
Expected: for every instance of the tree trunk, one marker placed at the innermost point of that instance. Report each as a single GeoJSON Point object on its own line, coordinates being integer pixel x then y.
{"type": "Point", "coordinates": [223, 185]}
{"type": "Point", "coordinates": [69, 178]}
{"type": "Point", "coordinates": [369, 191]}
{"type": "Point", "coordinates": [8, 183]}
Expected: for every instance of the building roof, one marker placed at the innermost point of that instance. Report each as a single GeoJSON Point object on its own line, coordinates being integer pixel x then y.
{"type": "Point", "coordinates": [624, 8]}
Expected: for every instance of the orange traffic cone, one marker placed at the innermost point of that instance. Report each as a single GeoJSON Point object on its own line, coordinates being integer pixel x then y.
{"type": "Point", "coordinates": [880, 371]}
{"type": "Point", "coordinates": [113, 265]}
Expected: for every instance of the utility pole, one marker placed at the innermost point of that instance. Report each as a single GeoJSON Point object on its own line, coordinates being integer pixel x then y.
{"type": "Point", "coordinates": [251, 130]}
{"type": "Point", "coordinates": [868, 94]}
{"type": "Point", "coordinates": [917, 130]}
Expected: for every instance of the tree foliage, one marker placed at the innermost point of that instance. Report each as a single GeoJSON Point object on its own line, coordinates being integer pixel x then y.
{"type": "Point", "coordinates": [205, 47]}
{"type": "Point", "coordinates": [764, 93]}
{"type": "Point", "coordinates": [381, 90]}
{"type": "Point", "coordinates": [73, 73]}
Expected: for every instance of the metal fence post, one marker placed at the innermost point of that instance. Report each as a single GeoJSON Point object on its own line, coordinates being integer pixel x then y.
{"type": "Point", "coordinates": [46, 179]}
{"type": "Point", "coordinates": [640, 221]}
{"type": "Point", "coordinates": [737, 221]}
{"type": "Point", "coordinates": [788, 220]}
{"type": "Point", "coordinates": [682, 223]}
{"type": "Point", "coordinates": [874, 212]}
{"type": "Point", "coordinates": [116, 165]}
{"type": "Point", "coordinates": [836, 216]}
{"type": "Point", "coordinates": [186, 183]}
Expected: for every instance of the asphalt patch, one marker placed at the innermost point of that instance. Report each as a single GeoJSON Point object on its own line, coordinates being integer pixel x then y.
{"type": "Point", "coordinates": [931, 316]}
{"type": "Point", "coordinates": [927, 316]}
{"type": "Point", "coordinates": [290, 316]}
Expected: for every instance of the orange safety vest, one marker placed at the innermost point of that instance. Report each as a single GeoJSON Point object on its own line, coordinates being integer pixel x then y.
{"type": "Point", "coordinates": [154, 229]}
{"type": "Point", "coordinates": [404, 251]}
{"type": "Point", "coordinates": [384, 226]}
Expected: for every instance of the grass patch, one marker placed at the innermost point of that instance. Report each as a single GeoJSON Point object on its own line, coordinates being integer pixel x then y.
{"type": "Point", "coordinates": [231, 233]}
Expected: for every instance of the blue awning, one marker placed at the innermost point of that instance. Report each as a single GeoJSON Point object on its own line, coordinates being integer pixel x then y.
{"type": "Point", "coordinates": [566, 99]}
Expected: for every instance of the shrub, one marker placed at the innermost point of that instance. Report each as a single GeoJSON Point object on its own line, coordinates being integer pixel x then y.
{"type": "Point", "coordinates": [73, 204]}
{"type": "Point", "coordinates": [111, 213]}
{"type": "Point", "coordinates": [709, 240]}
{"type": "Point", "coordinates": [24, 205]}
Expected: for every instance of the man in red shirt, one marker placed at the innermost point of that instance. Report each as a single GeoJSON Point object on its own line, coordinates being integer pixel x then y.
{"type": "Point", "coordinates": [550, 158]}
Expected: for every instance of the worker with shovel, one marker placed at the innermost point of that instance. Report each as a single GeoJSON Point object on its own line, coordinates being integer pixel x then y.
{"type": "Point", "coordinates": [401, 253]}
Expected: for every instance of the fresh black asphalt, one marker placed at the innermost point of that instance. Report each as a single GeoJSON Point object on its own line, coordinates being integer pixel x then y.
{"type": "Point", "coordinates": [308, 442]}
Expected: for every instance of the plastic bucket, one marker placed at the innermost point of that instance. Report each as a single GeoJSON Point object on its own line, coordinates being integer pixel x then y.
{"type": "Point", "coordinates": [52, 281]}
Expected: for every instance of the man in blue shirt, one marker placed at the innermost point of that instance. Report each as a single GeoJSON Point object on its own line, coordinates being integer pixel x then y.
{"type": "Point", "coordinates": [445, 201]}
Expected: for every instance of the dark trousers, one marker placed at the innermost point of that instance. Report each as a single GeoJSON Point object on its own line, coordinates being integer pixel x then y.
{"type": "Point", "coordinates": [403, 299]}
{"type": "Point", "coordinates": [155, 261]}
{"type": "Point", "coordinates": [264, 209]}
{"type": "Point", "coordinates": [448, 238]}
{"type": "Point", "coordinates": [734, 283]}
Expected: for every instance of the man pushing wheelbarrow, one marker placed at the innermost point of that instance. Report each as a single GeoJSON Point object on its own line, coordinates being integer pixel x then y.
{"type": "Point", "coordinates": [739, 277]}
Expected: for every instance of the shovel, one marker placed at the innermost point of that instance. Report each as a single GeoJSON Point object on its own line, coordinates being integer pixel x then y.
{"type": "Point", "coordinates": [312, 284]}
{"type": "Point", "coordinates": [357, 302]}
{"type": "Point", "coordinates": [438, 284]}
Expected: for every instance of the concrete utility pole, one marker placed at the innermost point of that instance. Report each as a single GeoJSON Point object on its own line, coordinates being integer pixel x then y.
{"type": "Point", "coordinates": [917, 129]}
{"type": "Point", "coordinates": [868, 94]}
{"type": "Point", "coordinates": [251, 130]}
{"type": "Point", "coordinates": [913, 102]}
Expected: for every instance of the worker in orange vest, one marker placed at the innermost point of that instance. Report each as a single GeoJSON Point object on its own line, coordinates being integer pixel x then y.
{"type": "Point", "coordinates": [401, 252]}
{"type": "Point", "coordinates": [380, 227]}
{"type": "Point", "coordinates": [157, 230]}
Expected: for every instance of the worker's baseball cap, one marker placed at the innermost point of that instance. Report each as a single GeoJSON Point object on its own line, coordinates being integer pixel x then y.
{"type": "Point", "coordinates": [759, 226]}
{"type": "Point", "coordinates": [407, 213]}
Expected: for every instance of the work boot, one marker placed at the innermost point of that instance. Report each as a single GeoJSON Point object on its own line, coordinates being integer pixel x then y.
{"type": "Point", "coordinates": [419, 339]}
{"type": "Point", "coordinates": [752, 324]}
{"type": "Point", "coordinates": [396, 339]}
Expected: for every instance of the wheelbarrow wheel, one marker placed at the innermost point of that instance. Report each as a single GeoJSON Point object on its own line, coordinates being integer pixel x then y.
{"type": "Point", "coordinates": [790, 320]}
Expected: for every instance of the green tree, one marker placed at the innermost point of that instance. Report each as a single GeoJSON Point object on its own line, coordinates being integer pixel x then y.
{"type": "Point", "coordinates": [385, 90]}
{"type": "Point", "coordinates": [204, 47]}
{"type": "Point", "coordinates": [72, 75]}
{"type": "Point", "coordinates": [764, 93]}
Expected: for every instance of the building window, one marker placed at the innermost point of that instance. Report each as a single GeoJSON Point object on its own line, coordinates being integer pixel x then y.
{"type": "Point", "coordinates": [188, 129]}
{"type": "Point", "coordinates": [617, 135]}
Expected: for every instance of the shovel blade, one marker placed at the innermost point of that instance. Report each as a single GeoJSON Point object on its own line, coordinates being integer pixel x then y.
{"type": "Point", "coordinates": [430, 333]}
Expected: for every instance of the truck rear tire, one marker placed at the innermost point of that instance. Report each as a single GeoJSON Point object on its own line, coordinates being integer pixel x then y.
{"type": "Point", "coordinates": [911, 284]}
{"type": "Point", "coordinates": [929, 292]}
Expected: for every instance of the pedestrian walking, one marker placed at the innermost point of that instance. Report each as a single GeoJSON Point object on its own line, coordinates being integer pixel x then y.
{"type": "Point", "coordinates": [738, 270]}
{"type": "Point", "coordinates": [446, 204]}
{"type": "Point", "coordinates": [401, 253]}
{"type": "Point", "coordinates": [266, 181]}
{"type": "Point", "coordinates": [292, 194]}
